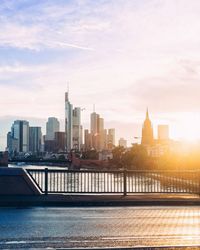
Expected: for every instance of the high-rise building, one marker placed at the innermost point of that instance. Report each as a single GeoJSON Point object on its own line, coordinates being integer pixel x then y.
{"type": "Point", "coordinates": [123, 142]}
{"type": "Point", "coordinates": [105, 139]}
{"type": "Point", "coordinates": [20, 135]}
{"type": "Point", "coordinates": [94, 129]}
{"type": "Point", "coordinates": [163, 132]}
{"type": "Point", "coordinates": [101, 139]}
{"type": "Point", "coordinates": [35, 139]}
{"type": "Point", "coordinates": [147, 132]}
{"type": "Point", "coordinates": [68, 123]}
{"type": "Point", "coordinates": [12, 144]}
{"type": "Point", "coordinates": [101, 134]}
{"type": "Point", "coordinates": [87, 139]}
{"type": "Point", "coordinates": [60, 141]}
{"type": "Point", "coordinates": [49, 146]}
{"type": "Point", "coordinates": [94, 123]}
{"type": "Point", "coordinates": [81, 139]}
{"type": "Point", "coordinates": [77, 129]}
{"type": "Point", "coordinates": [52, 126]}
{"type": "Point", "coordinates": [111, 138]}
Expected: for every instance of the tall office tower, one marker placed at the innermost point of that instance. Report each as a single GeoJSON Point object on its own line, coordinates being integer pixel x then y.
{"type": "Point", "coordinates": [12, 144]}
{"type": "Point", "coordinates": [147, 132]}
{"type": "Point", "coordinates": [68, 123]}
{"type": "Point", "coordinates": [77, 131]}
{"type": "Point", "coordinates": [94, 129]}
{"type": "Point", "coordinates": [123, 142]}
{"type": "Point", "coordinates": [35, 139]}
{"type": "Point", "coordinates": [163, 132]}
{"type": "Point", "coordinates": [105, 139]}
{"type": "Point", "coordinates": [60, 141]}
{"type": "Point", "coordinates": [52, 126]}
{"type": "Point", "coordinates": [87, 139]}
{"type": "Point", "coordinates": [111, 138]}
{"type": "Point", "coordinates": [94, 123]}
{"type": "Point", "coordinates": [81, 137]}
{"type": "Point", "coordinates": [20, 132]}
{"type": "Point", "coordinates": [101, 134]}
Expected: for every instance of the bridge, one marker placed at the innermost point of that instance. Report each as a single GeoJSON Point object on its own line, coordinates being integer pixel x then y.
{"type": "Point", "coordinates": [126, 182]}
{"type": "Point", "coordinates": [58, 186]}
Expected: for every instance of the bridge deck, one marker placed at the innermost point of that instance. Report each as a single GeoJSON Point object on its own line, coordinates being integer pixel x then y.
{"type": "Point", "coordinates": [101, 200]}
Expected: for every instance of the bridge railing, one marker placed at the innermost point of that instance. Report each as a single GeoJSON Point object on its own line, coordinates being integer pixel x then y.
{"type": "Point", "coordinates": [115, 182]}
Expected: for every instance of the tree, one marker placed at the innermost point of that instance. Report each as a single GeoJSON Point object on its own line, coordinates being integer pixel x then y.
{"type": "Point", "coordinates": [134, 158]}
{"type": "Point", "coordinates": [118, 156]}
{"type": "Point", "coordinates": [90, 154]}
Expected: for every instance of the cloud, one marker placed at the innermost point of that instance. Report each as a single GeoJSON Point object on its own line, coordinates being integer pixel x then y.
{"type": "Point", "coordinates": [121, 55]}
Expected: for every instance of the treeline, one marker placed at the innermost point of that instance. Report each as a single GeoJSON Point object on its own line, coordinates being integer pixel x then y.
{"type": "Point", "coordinates": [134, 158]}
{"type": "Point", "coordinates": [137, 158]}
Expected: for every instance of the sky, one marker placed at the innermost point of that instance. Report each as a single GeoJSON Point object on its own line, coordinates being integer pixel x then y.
{"type": "Point", "coordinates": [121, 55]}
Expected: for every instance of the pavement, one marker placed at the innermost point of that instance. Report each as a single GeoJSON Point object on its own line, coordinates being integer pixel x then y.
{"type": "Point", "coordinates": [101, 200]}
{"type": "Point", "coordinates": [141, 227]}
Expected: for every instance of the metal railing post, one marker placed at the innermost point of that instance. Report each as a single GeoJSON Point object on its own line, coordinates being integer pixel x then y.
{"type": "Point", "coordinates": [199, 181]}
{"type": "Point", "coordinates": [46, 181]}
{"type": "Point", "coordinates": [125, 181]}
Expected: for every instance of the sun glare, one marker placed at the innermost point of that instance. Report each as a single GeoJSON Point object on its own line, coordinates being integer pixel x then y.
{"type": "Point", "coordinates": [187, 128]}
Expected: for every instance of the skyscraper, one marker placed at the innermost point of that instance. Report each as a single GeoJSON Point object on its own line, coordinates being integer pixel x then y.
{"type": "Point", "coordinates": [12, 144]}
{"type": "Point", "coordinates": [101, 134]}
{"type": "Point", "coordinates": [20, 132]}
{"type": "Point", "coordinates": [123, 142]}
{"type": "Point", "coordinates": [111, 138]}
{"type": "Point", "coordinates": [35, 139]}
{"type": "Point", "coordinates": [147, 132]}
{"type": "Point", "coordinates": [94, 129]}
{"type": "Point", "coordinates": [87, 140]}
{"type": "Point", "coordinates": [68, 123]}
{"type": "Point", "coordinates": [77, 130]}
{"type": "Point", "coordinates": [52, 126]}
{"type": "Point", "coordinates": [59, 141]}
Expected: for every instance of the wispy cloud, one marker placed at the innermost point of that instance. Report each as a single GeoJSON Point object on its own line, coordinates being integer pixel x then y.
{"type": "Point", "coordinates": [120, 54]}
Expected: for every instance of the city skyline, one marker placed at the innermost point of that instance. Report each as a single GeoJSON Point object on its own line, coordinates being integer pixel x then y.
{"type": "Point", "coordinates": [133, 138]}
{"type": "Point", "coordinates": [121, 55]}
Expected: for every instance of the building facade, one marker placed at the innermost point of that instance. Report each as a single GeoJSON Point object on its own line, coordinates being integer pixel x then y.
{"type": "Point", "coordinates": [68, 123]}
{"type": "Point", "coordinates": [19, 137]}
{"type": "Point", "coordinates": [77, 129]}
{"type": "Point", "coordinates": [52, 126]}
{"type": "Point", "coordinates": [59, 142]}
{"type": "Point", "coordinates": [87, 140]}
{"type": "Point", "coordinates": [123, 142]}
{"type": "Point", "coordinates": [94, 130]}
{"type": "Point", "coordinates": [111, 138]}
{"type": "Point", "coordinates": [147, 132]}
{"type": "Point", "coordinates": [35, 139]}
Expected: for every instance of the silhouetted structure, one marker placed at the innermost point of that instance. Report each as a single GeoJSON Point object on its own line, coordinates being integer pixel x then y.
{"type": "Point", "coordinates": [59, 142]}
{"type": "Point", "coordinates": [49, 146]}
{"type": "Point", "coordinates": [35, 139]}
{"type": "Point", "coordinates": [147, 132]}
{"type": "Point", "coordinates": [3, 159]}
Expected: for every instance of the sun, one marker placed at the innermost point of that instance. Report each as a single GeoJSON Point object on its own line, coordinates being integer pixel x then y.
{"type": "Point", "coordinates": [187, 127]}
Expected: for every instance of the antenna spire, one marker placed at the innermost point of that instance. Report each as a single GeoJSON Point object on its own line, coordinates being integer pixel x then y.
{"type": "Point", "coordinates": [147, 113]}
{"type": "Point", "coordinates": [68, 87]}
{"type": "Point", "coordinates": [93, 108]}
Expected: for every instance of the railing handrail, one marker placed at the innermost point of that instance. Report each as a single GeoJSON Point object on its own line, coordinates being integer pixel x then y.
{"type": "Point", "coordinates": [157, 181]}
{"type": "Point", "coordinates": [112, 171]}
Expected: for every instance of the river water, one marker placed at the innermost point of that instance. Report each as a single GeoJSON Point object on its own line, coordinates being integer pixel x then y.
{"type": "Point", "coordinates": [55, 228]}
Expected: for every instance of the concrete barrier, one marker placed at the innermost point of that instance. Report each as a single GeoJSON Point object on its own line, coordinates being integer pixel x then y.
{"type": "Point", "coordinates": [3, 159]}
{"type": "Point", "coordinates": [15, 181]}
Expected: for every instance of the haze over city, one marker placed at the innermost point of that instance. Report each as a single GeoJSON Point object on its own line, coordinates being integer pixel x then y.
{"type": "Point", "coordinates": [121, 55]}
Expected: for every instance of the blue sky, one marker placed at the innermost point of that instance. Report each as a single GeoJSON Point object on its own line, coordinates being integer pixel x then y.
{"type": "Point", "coordinates": [122, 55]}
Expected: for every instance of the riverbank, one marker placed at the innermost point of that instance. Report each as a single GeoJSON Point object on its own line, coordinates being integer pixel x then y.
{"type": "Point", "coordinates": [100, 200]}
